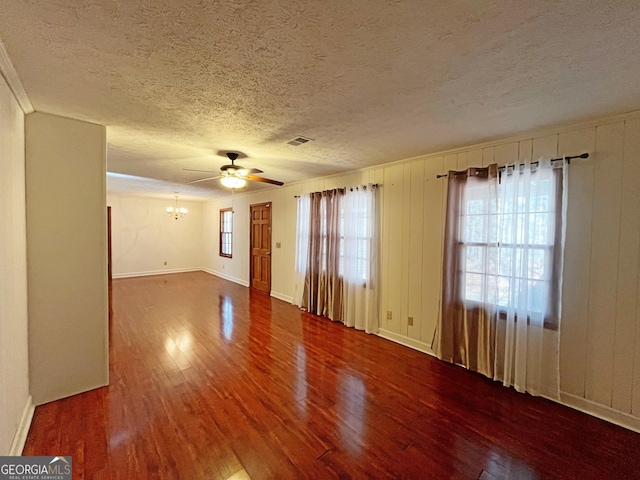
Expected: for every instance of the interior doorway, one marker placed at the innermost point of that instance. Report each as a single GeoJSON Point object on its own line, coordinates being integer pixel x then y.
{"type": "Point", "coordinates": [260, 243]}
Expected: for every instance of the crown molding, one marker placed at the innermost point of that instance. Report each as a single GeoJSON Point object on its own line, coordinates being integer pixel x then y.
{"type": "Point", "coordinates": [8, 72]}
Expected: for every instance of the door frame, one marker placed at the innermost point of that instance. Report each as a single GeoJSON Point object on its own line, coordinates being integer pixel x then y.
{"type": "Point", "coordinates": [269, 205]}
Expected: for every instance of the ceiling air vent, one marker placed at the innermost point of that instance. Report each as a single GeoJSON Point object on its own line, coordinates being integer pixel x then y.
{"type": "Point", "coordinates": [296, 142]}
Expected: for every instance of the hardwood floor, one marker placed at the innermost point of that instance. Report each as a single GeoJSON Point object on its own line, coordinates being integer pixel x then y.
{"type": "Point", "coordinates": [210, 380]}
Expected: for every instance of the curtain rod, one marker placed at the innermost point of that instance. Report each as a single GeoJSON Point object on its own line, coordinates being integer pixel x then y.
{"type": "Point", "coordinates": [374, 185]}
{"type": "Point", "coordinates": [567, 158]}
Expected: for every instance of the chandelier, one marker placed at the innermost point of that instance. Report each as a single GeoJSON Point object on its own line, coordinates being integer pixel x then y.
{"type": "Point", "coordinates": [175, 212]}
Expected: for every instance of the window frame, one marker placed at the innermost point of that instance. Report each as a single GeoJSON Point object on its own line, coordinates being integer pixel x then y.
{"type": "Point", "coordinates": [552, 250]}
{"type": "Point", "coordinates": [223, 232]}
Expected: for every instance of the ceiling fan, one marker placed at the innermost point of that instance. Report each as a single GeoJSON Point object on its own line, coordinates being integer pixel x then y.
{"type": "Point", "coordinates": [234, 176]}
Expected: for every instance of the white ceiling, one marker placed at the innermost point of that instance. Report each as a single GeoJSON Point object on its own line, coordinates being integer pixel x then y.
{"type": "Point", "coordinates": [178, 83]}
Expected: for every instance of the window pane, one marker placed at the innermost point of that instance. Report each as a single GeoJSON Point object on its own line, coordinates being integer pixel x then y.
{"type": "Point", "coordinates": [507, 228]}
{"type": "Point", "coordinates": [475, 229]}
{"type": "Point", "coordinates": [538, 229]}
{"type": "Point", "coordinates": [537, 294]}
{"type": "Point", "coordinates": [475, 259]}
{"type": "Point", "coordinates": [473, 286]}
{"type": "Point", "coordinates": [536, 267]}
{"type": "Point", "coordinates": [493, 227]}
{"type": "Point", "coordinates": [505, 290]}
{"type": "Point", "coordinates": [476, 206]}
{"type": "Point", "coordinates": [505, 261]}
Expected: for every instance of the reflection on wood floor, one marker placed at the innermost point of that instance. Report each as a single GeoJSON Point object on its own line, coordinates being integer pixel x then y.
{"type": "Point", "coordinates": [211, 380]}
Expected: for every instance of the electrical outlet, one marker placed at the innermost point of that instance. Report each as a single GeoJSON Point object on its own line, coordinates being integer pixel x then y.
{"type": "Point", "coordinates": [389, 315]}
{"type": "Point", "coordinates": [410, 321]}
{"type": "Point", "coordinates": [165, 262]}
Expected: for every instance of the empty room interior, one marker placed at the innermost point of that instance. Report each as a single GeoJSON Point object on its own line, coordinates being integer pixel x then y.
{"type": "Point", "coordinates": [292, 239]}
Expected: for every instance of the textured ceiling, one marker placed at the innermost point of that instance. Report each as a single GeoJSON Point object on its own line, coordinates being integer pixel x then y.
{"type": "Point", "coordinates": [371, 81]}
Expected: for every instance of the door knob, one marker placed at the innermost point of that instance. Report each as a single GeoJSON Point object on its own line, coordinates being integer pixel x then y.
{"type": "Point", "coordinates": [268, 253]}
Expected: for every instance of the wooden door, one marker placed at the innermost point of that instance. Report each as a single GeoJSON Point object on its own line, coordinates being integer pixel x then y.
{"type": "Point", "coordinates": [260, 242]}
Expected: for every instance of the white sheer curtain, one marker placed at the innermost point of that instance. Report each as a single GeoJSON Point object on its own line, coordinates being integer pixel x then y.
{"type": "Point", "coordinates": [302, 247]}
{"type": "Point", "coordinates": [528, 277]}
{"type": "Point", "coordinates": [502, 276]}
{"type": "Point", "coordinates": [361, 258]}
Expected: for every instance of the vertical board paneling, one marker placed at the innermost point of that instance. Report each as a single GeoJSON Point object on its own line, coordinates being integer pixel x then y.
{"type": "Point", "coordinates": [450, 162]}
{"type": "Point", "coordinates": [488, 156]}
{"type": "Point", "coordinates": [474, 158]}
{"type": "Point", "coordinates": [627, 293]}
{"type": "Point", "coordinates": [605, 231]}
{"type": "Point", "coordinates": [632, 148]}
{"type": "Point", "coordinates": [394, 190]}
{"type": "Point", "coordinates": [406, 238]}
{"type": "Point", "coordinates": [378, 177]}
{"type": "Point", "coordinates": [575, 287]}
{"type": "Point", "coordinates": [547, 147]}
{"type": "Point", "coordinates": [415, 249]}
{"type": "Point", "coordinates": [635, 399]}
{"type": "Point", "coordinates": [525, 150]}
{"type": "Point", "coordinates": [506, 154]}
{"type": "Point", "coordinates": [385, 202]}
{"type": "Point", "coordinates": [462, 161]}
{"type": "Point", "coordinates": [432, 246]}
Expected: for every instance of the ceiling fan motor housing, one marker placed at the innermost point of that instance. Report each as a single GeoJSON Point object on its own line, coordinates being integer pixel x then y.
{"type": "Point", "coordinates": [233, 168]}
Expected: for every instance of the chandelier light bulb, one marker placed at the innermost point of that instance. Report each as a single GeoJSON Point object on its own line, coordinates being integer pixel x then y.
{"type": "Point", "coordinates": [176, 212]}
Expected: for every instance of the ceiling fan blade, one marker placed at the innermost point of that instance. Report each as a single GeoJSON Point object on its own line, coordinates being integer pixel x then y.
{"type": "Point", "coordinates": [243, 172]}
{"type": "Point", "coordinates": [263, 180]}
{"type": "Point", "coordinates": [194, 170]}
{"type": "Point", "coordinates": [204, 179]}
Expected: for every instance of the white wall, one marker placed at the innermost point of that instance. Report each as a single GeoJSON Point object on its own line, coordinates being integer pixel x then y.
{"type": "Point", "coordinates": [282, 230]}
{"type": "Point", "coordinates": [143, 236]}
{"type": "Point", "coordinates": [14, 363]}
{"type": "Point", "coordinates": [600, 336]}
{"type": "Point", "coordinates": [66, 256]}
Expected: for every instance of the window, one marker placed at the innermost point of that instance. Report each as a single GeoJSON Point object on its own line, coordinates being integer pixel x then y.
{"type": "Point", "coordinates": [358, 235]}
{"type": "Point", "coordinates": [337, 256]}
{"type": "Point", "coordinates": [507, 245]}
{"type": "Point", "coordinates": [354, 234]}
{"type": "Point", "coordinates": [226, 232]}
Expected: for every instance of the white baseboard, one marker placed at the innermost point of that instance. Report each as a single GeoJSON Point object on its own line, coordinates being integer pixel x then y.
{"type": "Point", "coordinates": [23, 429]}
{"type": "Point", "coordinates": [240, 281]}
{"type": "Point", "coordinates": [155, 272]}
{"type": "Point", "coordinates": [282, 296]}
{"type": "Point", "coordinates": [568, 400]}
{"type": "Point", "coordinates": [600, 411]}
{"type": "Point", "coordinates": [407, 342]}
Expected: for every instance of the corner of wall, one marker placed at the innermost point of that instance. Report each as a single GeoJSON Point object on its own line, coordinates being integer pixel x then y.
{"type": "Point", "coordinates": [20, 437]}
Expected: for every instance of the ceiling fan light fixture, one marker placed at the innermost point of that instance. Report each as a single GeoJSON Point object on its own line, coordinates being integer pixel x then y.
{"type": "Point", "coordinates": [233, 182]}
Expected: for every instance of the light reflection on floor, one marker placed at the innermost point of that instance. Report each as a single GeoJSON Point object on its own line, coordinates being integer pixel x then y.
{"type": "Point", "coordinates": [352, 400]}
{"type": "Point", "coordinates": [226, 316]}
{"type": "Point", "coordinates": [301, 380]}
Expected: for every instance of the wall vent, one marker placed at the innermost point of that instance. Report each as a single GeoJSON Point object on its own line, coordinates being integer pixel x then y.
{"type": "Point", "coordinates": [298, 141]}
